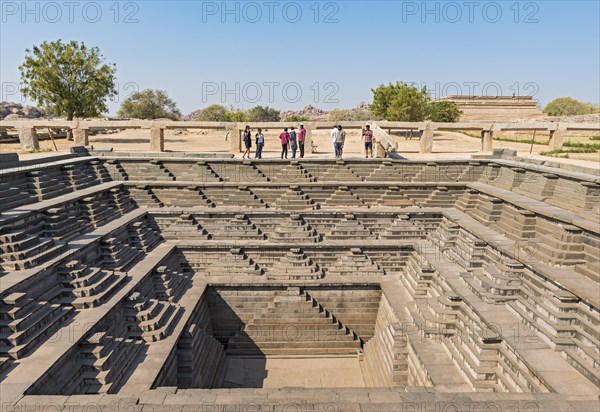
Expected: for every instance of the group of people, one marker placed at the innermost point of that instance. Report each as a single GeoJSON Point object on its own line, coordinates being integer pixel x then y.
{"type": "Point", "coordinates": [290, 139]}
{"type": "Point", "coordinates": [338, 136]}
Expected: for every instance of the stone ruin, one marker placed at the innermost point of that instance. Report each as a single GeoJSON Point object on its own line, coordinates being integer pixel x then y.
{"type": "Point", "coordinates": [166, 283]}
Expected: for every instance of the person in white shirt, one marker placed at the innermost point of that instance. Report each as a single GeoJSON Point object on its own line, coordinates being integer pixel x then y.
{"type": "Point", "coordinates": [339, 142]}
{"type": "Point", "coordinates": [334, 137]}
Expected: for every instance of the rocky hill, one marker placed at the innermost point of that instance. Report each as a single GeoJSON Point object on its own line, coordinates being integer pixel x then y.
{"type": "Point", "coordinates": [309, 112]}
{"type": "Point", "coordinates": [11, 111]}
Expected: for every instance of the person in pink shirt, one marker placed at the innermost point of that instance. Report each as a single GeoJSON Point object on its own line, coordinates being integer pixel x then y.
{"type": "Point", "coordinates": [285, 139]}
{"type": "Point", "coordinates": [301, 139]}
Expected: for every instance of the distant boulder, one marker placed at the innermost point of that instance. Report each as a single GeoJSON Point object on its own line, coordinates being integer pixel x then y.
{"type": "Point", "coordinates": [12, 111]}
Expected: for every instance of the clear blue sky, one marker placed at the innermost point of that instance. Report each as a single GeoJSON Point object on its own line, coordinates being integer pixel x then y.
{"type": "Point", "coordinates": [239, 53]}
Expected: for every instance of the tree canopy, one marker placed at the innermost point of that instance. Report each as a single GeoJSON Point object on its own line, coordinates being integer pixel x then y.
{"type": "Point", "coordinates": [213, 113]}
{"type": "Point", "coordinates": [400, 102]}
{"type": "Point", "coordinates": [68, 79]}
{"type": "Point", "coordinates": [567, 106]}
{"type": "Point", "coordinates": [444, 112]}
{"type": "Point", "coordinates": [219, 113]}
{"type": "Point", "coordinates": [149, 104]}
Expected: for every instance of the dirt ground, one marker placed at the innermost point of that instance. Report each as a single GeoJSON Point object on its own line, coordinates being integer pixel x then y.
{"type": "Point", "coordinates": [446, 145]}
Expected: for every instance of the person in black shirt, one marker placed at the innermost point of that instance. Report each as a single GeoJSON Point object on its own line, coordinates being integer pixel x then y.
{"type": "Point", "coordinates": [247, 138]}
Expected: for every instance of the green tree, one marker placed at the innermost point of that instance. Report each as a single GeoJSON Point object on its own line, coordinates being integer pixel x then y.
{"type": "Point", "coordinates": [400, 102]}
{"type": "Point", "coordinates": [295, 118]}
{"type": "Point", "coordinates": [566, 106]}
{"type": "Point", "coordinates": [263, 114]}
{"type": "Point", "coordinates": [236, 115]}
{"type": "Point", "coordinates": [444, 112]}
{"type": "Point", "coordinates": [348, 115]}
{"type": "Point", "coordinates": [149, 104]}
{"type": "Point", "coordinates": [68, 79]}
{"type": "Point", "coordinates": [213, 113]}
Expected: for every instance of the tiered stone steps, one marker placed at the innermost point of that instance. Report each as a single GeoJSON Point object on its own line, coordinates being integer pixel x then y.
{"type": "Point", "coordinates": [200, 359]}
{"type": "Point", "coordinates": [442, 197]}
{"type": "Point", "coordinates": [106, 361]}
{"type": "Point", "coordinates": [144, 236]}
{"type": "Point", "coordinates": [394, 197]}
{"type": "Point", "coordinates": [241, 196]}
{"type": "Point", "coordinates": [25, 322]}
{"type": "Point", "coordinates": [150, 319]}
{"type": "Point", "coordinates": [591, 267]}
{"type": "Point", "coordinates": [295, 265]}
{"type": "Point", "coordinates": [578, 196]}
{"type": "Point", "coordinates": [295, 230]}
{"type": "Point", "coordinates": [198, 171]}
{"type": "Point", "coordinates": [231, 308]}
{"type": "Point", "coordinates": [144, 196]}
{"type": "Point", "coordinates": [419, 276]}
{"type": "Point", "coordinates": [403, 229]}
{"type": "Point", "coordinates": [239, 228]}
{"type": "Point", "coordinates": [50, 183]}
{"type": "Point", "coordinates": [560, 245]}
{"type": "Point", "coordinates": [468, 200]}
{"type": "Point", "coordinates": [338, 172]}
{"type": "Point", "coordinates": [118, 251]}
{"type": "Point", "coordinates": [314, 332]}
{"type": "Point", "coordinates": [144, 170]}
{"type": "Point", "coordinates": [294, 173]}
{"type": "Point", "coordinates": [539, 186]}
{"type": "Point", "coordinates": [392, 262]}
{"type": "Point", "coordinates": [22, 249]}
{"type": "Point", "coordinates": [89, 285]}
{"type": "Point", "coordinates": [185, 227]}
{"type": "Point", "coordinates": [354, 263]}
{"type": "Point", "coordinates": [356, 308]}
{"type": "Point", "coordinates": [169, 281]}
{"type": "Point", "coordinates": [386, 172]}
{"type": "Point", "coordinates": [488, 209]}
{"type": "Point", "coordinates": [15, 190]}
{"type": "Point", "coordinates": [343, 197]}
{"type": "Point", "coordinates": [349, 228]}
{"type": "Point", "coordinates": [234, 262]}
{"type": "Point", "coordinates": [385, 357]}
{"type": "Point", "coordinates": [80, 176]}
{"type": "Point", "coordinates": [190, 196]}
{"type": "Point", "coordinates": [99, 209]}
{"type": "Point", "coordinates": [431, 172]}
{"type": "Point", "coordinates": [418, 195]}
{"type": "Point", "coordinates": [294, 199]}
{"type": "Point", "coordinates": [516, 223]}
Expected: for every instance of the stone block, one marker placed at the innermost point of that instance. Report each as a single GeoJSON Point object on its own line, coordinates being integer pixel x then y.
{"type": "Point", "coordinates": [28, 138]}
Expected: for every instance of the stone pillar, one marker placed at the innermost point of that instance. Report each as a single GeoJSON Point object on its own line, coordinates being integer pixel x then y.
{"type": "Point", "coordinates": [426, 142]}
{"type": "Point", "coordinates": [379, 149]}
{"type": "Point", "coordinates": [157, 139]}
{"type": "Point", "coordinates": [81, 137]}
{"type": "Point", "coordinates": [235, 140]}
{"type": "Point", "coordinates": [308, 141]}
{"type": "Point", "coordinates": [487, 141]}
{"type": "Point", "coordinates": [28, 139]}
{"type": "Point", "coordinates": [557, 138]}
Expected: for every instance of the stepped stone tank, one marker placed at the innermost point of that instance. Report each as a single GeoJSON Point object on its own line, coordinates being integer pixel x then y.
{"type": "Point", "coordinates": [165, 283]}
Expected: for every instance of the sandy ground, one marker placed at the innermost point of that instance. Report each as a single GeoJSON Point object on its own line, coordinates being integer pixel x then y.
{"type": "Point", "coordinates": [446, 145]}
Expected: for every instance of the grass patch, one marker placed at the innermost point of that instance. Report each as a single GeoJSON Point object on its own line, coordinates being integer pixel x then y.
{"type": "Point", "coordinates": [508, 139]}
{"type": "Point", "coordinates": [595, 138]}
{"type": "Point", "coordinates": [38, 150]}
{"type": "Point", "coordinates": [586, 146]}
{"type": "Point", "coordinates": [530, 141]}
{"type": "Point", "coordinates": [557, 153]}
{"type": "Point", "coordinates": [575, 148]}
